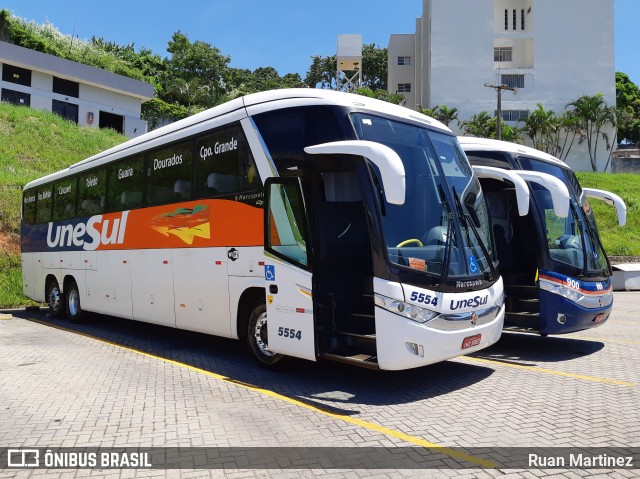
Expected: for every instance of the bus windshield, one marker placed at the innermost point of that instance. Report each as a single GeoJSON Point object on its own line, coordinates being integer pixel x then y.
{"type": "Point", "coordinates": [443, 226]}
{"type": "Point", "coordinates": [575, 239]}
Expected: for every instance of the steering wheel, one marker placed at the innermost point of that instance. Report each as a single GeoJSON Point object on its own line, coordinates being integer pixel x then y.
{"type": "Point", "coordinates": [412, 240]}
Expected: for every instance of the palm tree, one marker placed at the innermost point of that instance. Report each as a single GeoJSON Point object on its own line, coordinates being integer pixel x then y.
{"type": "Point", "coordinates": [593, 115]}
{"type": "Point", "coordinates": [442, 113]}
{"type": "Point", "coordinates": [541, 126]}
{"type": "Point", "coordinates": [570, 129]}
{"type": "Point", "coordinates": [481, 125]}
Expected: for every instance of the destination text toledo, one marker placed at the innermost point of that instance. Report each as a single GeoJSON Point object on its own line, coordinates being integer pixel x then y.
{"type": "Point", "coordinates": [580, 461]}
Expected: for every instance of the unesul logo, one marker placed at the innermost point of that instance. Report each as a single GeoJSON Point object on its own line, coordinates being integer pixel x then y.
{"type": "Point", "coordinates": [100, 231]}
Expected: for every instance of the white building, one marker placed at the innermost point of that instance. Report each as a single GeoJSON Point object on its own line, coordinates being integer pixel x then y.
{"type": "Point", "coordinates": [552, 51]}
{"type": "Point", "coordinates": [86, 95]}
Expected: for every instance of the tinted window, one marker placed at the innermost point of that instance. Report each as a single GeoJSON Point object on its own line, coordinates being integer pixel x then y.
{"type": "Point", "coordinates": [29, 206]}
{"type": "Point", "coordinates": [44, 201]}
{"type": "Point", "coordinates": [224, 164]}
{"type": "Point", "coordinates": [64, 199]}
{"type": "Point", "coordinates": [66, 87]}
{"type": "Point", "coordinates": [125, 184]}
{"type": "Point", "coordinates": [91, 189]}
{"type": "Point", "coordinates": [495, 159]}
{"type": "Point", "coordinates": [169, 174]}
{"type": "Point", "coordinates": [18, 75]}
{"type": "Point", "coordinates": [287, 132]}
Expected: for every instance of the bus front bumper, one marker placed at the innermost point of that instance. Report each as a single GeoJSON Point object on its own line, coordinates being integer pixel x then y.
{"type": "Point", "coordinates": [559, 315]}
{"type": "Point", "coordinates": [405, 344]}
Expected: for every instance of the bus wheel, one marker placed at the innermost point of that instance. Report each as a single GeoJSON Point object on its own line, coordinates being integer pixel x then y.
{"type": "Point", "coordinates": [55, 299]}
{"type": "Point", "coordinates": [74, 310]}
{"type": "Point", "coordinates": [258, 338]}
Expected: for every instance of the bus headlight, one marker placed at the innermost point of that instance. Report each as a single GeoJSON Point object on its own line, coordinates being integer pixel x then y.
{"type": "Point", "coordinates": [569, 293]}
{"type": "Point", "coordinates": [406, 310]}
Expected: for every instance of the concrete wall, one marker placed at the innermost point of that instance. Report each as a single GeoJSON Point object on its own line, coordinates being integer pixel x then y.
{"type": "Point", "coordinates": [629, 164]}
{"type": "Point", "coordinates": [402, 45]}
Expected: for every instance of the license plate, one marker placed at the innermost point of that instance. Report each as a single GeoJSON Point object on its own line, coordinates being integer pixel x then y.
{"type": "Point", "coordinates": [599, 318]}
{"type": "Point", "coordinates": [471, 341]}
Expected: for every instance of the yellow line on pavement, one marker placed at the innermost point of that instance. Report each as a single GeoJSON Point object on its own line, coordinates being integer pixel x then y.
{"type": "Point", "coordinates": [348, 419]}
{"type": "Point", "coordinates": [548, 371]}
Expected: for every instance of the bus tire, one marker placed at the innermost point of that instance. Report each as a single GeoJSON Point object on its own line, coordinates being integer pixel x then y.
{"type": "Point", "coordinates": [54, 298]}
{"type": "Point", "coordinates": [258, 339]}
{"type": "Point", "coordinates": [72, 303]}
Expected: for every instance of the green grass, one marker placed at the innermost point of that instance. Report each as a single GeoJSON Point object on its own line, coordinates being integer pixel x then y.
{"type": "Point", "coordinates": [33, 144]}
{"type": "Point", "coordinates": [618, 240]}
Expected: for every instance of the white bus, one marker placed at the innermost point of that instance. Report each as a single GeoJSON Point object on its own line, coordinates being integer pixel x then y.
{"type": "Point", "coordinates": [355, 229]}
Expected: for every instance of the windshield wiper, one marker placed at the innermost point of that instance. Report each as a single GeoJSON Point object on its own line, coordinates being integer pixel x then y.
{"type": "Point", "coordinates": [469, 222]}
{"type": "Point", "coordinates": [595, 240]}
{"type": "Point", "coordinates": [444, 273]}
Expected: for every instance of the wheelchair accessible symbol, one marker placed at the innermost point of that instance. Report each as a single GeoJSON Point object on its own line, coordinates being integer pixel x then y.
{"type": "Point", "coordinates": [269, 272]}
{"type": "Point", "coordinates": [473, 265]}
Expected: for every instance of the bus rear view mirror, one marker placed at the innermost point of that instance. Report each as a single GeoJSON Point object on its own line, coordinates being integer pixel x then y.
{"type": "Point", "coordinates": [388, 162]}
{"type": "Point", "coordinates": [559, 192]}
{"type": "Point", "coordinates": [522, 190]}
{"type": "Point", "coordinates": [611, 199]}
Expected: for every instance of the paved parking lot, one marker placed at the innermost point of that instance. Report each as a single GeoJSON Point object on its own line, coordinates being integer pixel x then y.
{"type": "Point", "coordinates": [117, 383]}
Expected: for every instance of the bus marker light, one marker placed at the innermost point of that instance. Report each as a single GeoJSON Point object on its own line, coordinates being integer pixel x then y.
{"type": "Point", "coordinates": [599, 318]}
{"type": "Point", "coordinates": [218, 262]}
{"type": "Point", "coordinates": [471, 341]}
{"type": "Point", "coordinates": [165, 262]}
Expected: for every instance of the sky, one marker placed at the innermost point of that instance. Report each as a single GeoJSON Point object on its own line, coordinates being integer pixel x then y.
{"type": "Point", "coordinates": [284, 34]}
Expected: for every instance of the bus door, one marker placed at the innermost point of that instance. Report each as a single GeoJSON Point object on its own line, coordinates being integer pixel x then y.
{"type": "Point", "coordinates": [287, 272]}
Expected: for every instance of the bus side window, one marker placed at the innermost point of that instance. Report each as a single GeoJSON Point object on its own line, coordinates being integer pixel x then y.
{"type": "Point", "coordinates": [64, 199]}
{"type": "Point", "coordinates": [44, 202]}
{"type": "Point", "coordinates": [91, 190]}
{"type": "Point", "coordinates": [224, 164]}
{"type": "Point", "coordinates": [169, 174]}
{"type": "Point", "coordinates": [29, 206]}
{"type": "Point", "coordinates": [126, 180]}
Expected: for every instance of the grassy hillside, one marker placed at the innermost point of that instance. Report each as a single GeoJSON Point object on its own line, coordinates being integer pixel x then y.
{"type": "Point", "coordinates": [618, 240]}
{"type": "Point", "coordinates": [33, 144]}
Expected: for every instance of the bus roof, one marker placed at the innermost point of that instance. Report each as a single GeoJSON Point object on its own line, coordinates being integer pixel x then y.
{"type": "Point", "coordinates": [471, 143]}
{"type": "Point", "coordinates": [293, 96]}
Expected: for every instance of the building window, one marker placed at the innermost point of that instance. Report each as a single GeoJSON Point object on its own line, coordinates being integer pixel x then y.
{"type": "Point", "coordinates": [513, 81]}
{"type": "Point", "coordinates": [15, 97]}
{"type": "Point", "coordinates": [513, 115]}
{"type": "Point", "coordinates": [404, 87]}
{"type": "Point", "coordinates": [66, 87]}
{"type": "Point", "coordinates": [506, 19]}
{"type": "Point", "coordinates": [66, 110]}
{"type": "Point", "coordinates": [522, 19]}
{"type": "Point", "coordinates": [404, 61]}
{"type": "Point", "coordinates": [18, 75]}
{"type": "Point", "coordinates": [503, 54]}
{"type": "Point", "coordinates": [515, 27]}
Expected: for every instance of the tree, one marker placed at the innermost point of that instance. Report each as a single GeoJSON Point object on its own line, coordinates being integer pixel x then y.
{"type": "Point", "coordinates": [442, 113]}
{"type": "Point", "coordinates": [628, 105]}
{"type": "Point", "coordinates": [198, 60]}
{"type": "Point", "coordinates": [323, 70]}
{"type": "Point", "coordinates": [593, 115]}
{"type": "Point", "coordinates": [541, 127]}
{"type": "Point", "coordinates": [480, 125]}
